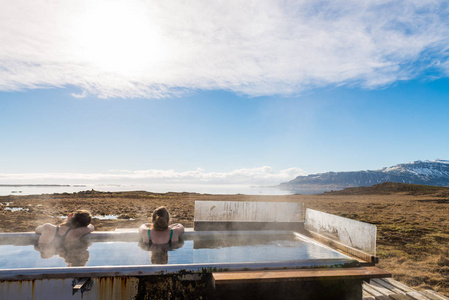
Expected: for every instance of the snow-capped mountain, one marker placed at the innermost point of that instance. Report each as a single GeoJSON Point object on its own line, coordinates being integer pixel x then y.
{"type": "Point", "coordinates": [418, 172]}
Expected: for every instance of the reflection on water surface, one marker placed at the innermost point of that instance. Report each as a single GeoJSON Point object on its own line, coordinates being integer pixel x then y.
{"type": "Point", "coordinates": [220, 250]}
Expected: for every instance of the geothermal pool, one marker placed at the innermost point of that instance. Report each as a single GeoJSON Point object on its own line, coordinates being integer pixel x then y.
{"type": "Point", "coordinates": [243, 248]}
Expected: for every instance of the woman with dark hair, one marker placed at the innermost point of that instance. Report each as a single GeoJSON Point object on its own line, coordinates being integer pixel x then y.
{"type": "Point", "coordinates": [159, 232]}
{"type": "Point", "coordinates": [76, 225]}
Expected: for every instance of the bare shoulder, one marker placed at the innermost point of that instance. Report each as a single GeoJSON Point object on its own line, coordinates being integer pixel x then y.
{"type": "Point", "coordinates": [80, 231]}
{"type": "Point", "coordinates": [44, 227]}
{"type": "Point", "coordinates": [47, 232]}
{"type": "Point", "coordinates": [143, 232]}
{"type": "Point", "coordinates": [144, 227]}
{"type": "Point", "coordinates": [88, 229]}
{"type": "Point", "coordinates": [178, 228]}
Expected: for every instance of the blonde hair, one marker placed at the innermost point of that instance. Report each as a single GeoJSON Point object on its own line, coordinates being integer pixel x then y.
{"type": "Point", "coordinates": [161, 217]}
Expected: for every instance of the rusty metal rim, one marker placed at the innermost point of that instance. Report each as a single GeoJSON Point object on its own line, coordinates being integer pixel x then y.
{"type": "Point", "coordinates": [146, 270]}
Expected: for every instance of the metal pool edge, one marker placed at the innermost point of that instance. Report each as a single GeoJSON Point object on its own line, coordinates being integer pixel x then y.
{"type": "Point", "coordinates": [146, 270]}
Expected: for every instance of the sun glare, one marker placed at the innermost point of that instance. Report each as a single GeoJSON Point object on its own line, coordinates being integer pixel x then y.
{"type": "Point", "coordinates": [119, 38]}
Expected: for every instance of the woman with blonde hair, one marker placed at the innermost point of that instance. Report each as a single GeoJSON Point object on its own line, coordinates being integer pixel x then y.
{"type": "Point", "coordinates": [159, 232]}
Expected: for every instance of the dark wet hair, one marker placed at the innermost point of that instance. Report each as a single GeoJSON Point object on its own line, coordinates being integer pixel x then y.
{"type": "Point", "coordinates": [80, 218]}
{"type": "Point", "coordinates": [161, 217]}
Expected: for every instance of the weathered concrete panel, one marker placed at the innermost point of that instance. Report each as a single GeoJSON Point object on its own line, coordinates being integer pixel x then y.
{"type": "Point", "coordinates": [231, 211]}
{"type": "Point", "coordinates": [352, 233]}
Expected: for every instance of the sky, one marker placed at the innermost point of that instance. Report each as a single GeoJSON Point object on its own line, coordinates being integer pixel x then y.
{"type": "Point", "coordinates": [254, 92]}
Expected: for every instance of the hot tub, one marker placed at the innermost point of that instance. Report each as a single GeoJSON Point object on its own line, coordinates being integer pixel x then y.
{"type": "Point", "coordinates": [211, 248]}
{"type": "Point", "coordinates": [114, 265]}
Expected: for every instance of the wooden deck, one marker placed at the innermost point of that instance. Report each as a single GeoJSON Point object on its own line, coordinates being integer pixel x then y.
{"type": "Point", "coordinates": [364, 273]}
{"type": "Point", "coordinates": [387, 288]}
{"type": "Point", "coordinates": [375, 286]}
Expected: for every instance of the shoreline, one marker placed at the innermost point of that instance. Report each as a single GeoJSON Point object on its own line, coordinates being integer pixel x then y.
{"type": "Point", "coordinates": [228, 189]}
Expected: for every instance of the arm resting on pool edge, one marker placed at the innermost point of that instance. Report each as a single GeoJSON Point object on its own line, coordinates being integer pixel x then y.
{"type": "Point", "coordinates": [47, 232]}
{"type": "Point", "coordinates": [127, 235]}
{"type": "Point", "coordinates": [177, 227]}
{"type": "Point", "coordinates": [143, 229]}
{"type": "Point", "coordinates": [178, 230]}
{"type": "Point", "coordinates": [81, 231]}
{"type": "Point", "coordinates": [39, 229]}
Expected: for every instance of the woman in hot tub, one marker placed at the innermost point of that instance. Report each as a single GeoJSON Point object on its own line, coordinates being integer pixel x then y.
{"type": "Point", "coordinates": [76, 226]}
{"type": "Point", "coordinates": [159, 232]}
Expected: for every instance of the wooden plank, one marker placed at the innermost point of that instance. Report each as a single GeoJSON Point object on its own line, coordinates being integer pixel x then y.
{"type": "Point", "coordinates": [377, 295]}
{"type": "Point", "coordinates": [398, 294]}
{"type": "Point", "coordinates": [416, 296]}
{"type": "Point", "coordinates": [367, 296]}
{"type": "Point", "coordinates": [398, 285]}
{"type": "Point", "coordinates": [382, 290]}
{"type": "Point", "coordinates": [386, 283]}
{"type": "Point", "coordinates": [433, 295]}
{"type": "Point", "coordinates": [297, 275]}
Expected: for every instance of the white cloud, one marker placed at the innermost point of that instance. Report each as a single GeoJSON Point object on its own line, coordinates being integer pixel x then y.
{"type": "Point", "coordinates": [157, 48]}
{"type": "Point", "coordinates": [255, 176]}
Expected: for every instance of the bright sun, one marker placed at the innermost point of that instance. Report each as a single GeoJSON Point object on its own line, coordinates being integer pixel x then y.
{"type": "Point", "coordinates": [119, 38]}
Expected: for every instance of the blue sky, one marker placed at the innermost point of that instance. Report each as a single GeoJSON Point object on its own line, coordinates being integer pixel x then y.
{"type": "Point", "coordinates": [220, 92]}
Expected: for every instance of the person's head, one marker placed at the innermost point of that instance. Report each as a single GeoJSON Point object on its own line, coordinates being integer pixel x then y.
{"type": "Point", "coordinates": [79, 218]}
{"type": "Point", "coordinates": [161, 217]}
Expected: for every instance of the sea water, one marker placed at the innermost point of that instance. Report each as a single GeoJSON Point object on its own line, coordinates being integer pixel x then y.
{"type": "Point", "coordinates": [156, 188]}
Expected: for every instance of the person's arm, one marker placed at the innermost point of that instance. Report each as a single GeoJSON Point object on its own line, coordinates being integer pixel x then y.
{"type": "Point", "coordinates": [178, 229]}
{"type": "Point", "coordinates": [46, 232]}
{"type": "Point", "coordinates": [88, 229]}
{"type": "Point", "coordinates": [176, 226]}
{"type": "Point", "coordinates": [143, 232]}
{"type": "Point", "coordinates": [79, 232]}
{"type": "Point", "coordinates": [40, 229]}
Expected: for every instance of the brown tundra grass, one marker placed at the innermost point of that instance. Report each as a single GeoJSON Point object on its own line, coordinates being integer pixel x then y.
{"type": "Point", "coordinates": [412, 221]}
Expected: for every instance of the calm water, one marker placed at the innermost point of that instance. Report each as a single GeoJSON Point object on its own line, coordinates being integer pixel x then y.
{"type": "Point", "coordinates": [156, 188]}
{"type": "Point", "coordinates": [187, 252]}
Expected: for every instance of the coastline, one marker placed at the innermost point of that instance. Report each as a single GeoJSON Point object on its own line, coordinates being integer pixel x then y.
{"type": "Point", "coordinates": [229, 189]}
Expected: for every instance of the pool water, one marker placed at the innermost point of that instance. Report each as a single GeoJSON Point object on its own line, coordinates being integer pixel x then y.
{"type": "Point", "coordinates": [228, 250]}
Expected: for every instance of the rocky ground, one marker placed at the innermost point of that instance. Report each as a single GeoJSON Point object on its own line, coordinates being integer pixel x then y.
{"type": "Point", "coordinates": [412, 220]}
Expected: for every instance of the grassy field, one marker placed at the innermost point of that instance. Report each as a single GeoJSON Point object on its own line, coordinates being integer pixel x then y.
{"type": "Point", "coordinates": [412, 220]}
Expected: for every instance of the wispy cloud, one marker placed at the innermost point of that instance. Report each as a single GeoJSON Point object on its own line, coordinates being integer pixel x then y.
{"type": "Point", "coordinates": [254, 176]}
{"type": "Point", "coordinates": [158, 48]}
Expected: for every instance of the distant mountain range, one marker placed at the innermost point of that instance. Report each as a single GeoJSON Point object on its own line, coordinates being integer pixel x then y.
{"type": "Point", "coordinates": [418, 172]}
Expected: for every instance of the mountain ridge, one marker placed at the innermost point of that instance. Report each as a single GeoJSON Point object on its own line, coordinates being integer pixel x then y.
{"type": "Point", "coordinates": [434, 173]}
